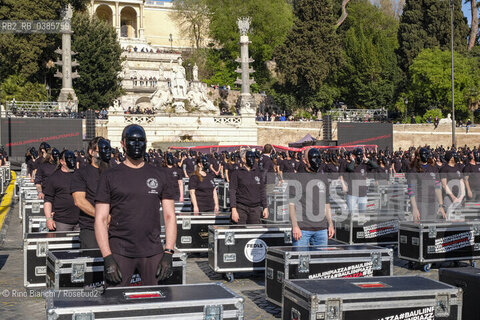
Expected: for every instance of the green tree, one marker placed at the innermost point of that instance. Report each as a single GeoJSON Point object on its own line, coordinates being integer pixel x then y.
{"type": "Point", "coordinates": [99, 56]}
{"type": "Point", "coordinates": [431, 83]}
{"type": "Point", "coordinates": [26, 54]}
{"type": "Point", "coordinates": [192, 16]}
{"type": "Point", "coordinates": [370, 75]}
{"type": "Point", "coordinates": [18, 88]}
{"type": "Point", "coordinates": [312, 50]}
{"type": "Point", "coordinates": [271, 20]}
{"type": "Point", "coordinates": [426, 24]}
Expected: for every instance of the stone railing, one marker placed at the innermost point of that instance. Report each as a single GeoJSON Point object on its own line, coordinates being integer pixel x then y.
{"type": "Point", "coordinates": [139, 118]}
{"type": "Point", "coordinates": [227, 120]}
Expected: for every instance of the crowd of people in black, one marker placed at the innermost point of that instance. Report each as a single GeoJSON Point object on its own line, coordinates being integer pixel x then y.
{"type": "Point", "coordinates": [114, 196]}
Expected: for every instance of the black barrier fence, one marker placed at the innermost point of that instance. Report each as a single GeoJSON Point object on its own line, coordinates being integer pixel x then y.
{"type": "Point", "coordinates": [18, 134]}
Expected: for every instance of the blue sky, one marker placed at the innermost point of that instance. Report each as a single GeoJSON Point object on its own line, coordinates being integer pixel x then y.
{"type": "Point", "coordinates": [467, 12]}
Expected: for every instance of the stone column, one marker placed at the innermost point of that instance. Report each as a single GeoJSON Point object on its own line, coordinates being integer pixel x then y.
{"type": "Point", "coordinates": [117, 18]}
{"type": "Point", "coordinates": [246, 102]}
{"type": "Point", "coordinates": [142, 30]}
{"type": "Point", "coordinates": [67, 98]}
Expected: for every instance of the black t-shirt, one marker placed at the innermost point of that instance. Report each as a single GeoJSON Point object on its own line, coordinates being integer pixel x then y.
{"type": "Point", "coordinates": [57, 192]}
{"type": "Point", "coordinates": [383, 173]}
{"type": "Point", "coordinates": [454, 177]}
{"type": "Point", "coordinates": [472, 171]}
{"type": "Point", "coordinates": [134, 196]}
{"type": "Point", "coordinates": [86, 180]}
{"type": "Point", "coordinates": [203, 191]}
{"type": "Point", "coordinates": [358, 179]}
{"type": "Point", "coordinates": [247, 188]}
{"type": "Point", "coordinates": [422, 185]}
{"type": "Point", "coordinates": [397, 165]}
{"type": "Point", "coordinates": [30, 163]}
{"type": "Point", "coordinates": [310, 201]}
{"type": "Point", "coordinates": [189, 165]}
{"type": "Point", "coordinates": [288, 165]}
{"type": "Point", "coordinates": [44, 171]}
{"type": "Point", "coordinates": [172, 175]}
{"type": "Point", "coordinates": [267, 164]}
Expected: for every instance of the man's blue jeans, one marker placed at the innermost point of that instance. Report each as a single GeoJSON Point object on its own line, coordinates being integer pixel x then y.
{"type": "Point", "coordinates": [356, 204]}
{"type": "Point", "coordinates": [312, 238]}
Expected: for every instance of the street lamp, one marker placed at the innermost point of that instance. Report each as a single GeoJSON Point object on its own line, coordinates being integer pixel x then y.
{"type": "Point", "coordinates": [171, 42]}
{"type": "Point", "coordinates": [406, 108]}
{"type": "Point", "coordinates": [453, 79]}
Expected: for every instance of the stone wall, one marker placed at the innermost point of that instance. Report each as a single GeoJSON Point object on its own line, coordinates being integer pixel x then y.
{"type": "Point", "coordinates": [284, 132]}
{"type": "Point", "coordinates": [406, 135]}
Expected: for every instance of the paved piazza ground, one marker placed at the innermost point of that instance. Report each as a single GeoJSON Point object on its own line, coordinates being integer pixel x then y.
{"type": "Point", "coordinates": [28, 305]}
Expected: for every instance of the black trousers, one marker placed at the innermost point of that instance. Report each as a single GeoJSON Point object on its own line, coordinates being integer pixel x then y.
{"type": "Point", "coordinates": [248, 215]}
{"type": "Point", "coordinates": [87, 239]}
{"type": "Point", "coordinates": [147, 268]}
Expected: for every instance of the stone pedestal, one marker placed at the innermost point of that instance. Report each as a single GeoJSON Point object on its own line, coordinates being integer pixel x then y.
{"type": "Point", "coordinates": [246, 104]}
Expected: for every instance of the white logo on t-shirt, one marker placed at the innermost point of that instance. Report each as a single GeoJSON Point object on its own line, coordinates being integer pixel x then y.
{"type": "Point", "coordinates": [152, 183]}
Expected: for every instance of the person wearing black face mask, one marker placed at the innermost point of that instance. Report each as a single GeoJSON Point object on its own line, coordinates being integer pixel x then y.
{"type": "Point", "coordinates": [232, 166]}
{"type": "Point", "coordinates": [174, 175]}
{"type": "Point", "coordinates": [59, 207]}
{"type": "Point", "coordinates": [84, 187]}
{"type": "Point", "coordinates": [471, 178]}
{"type": "Point", "coordinates": [189, 164]}
{"type": "Point", "coordinates": [215, 165]}
{"type": "Point", "coordinates": [452, 182]}
{"type": "Point", "coordinates": [310, 213]}
{"type": "Point", "coordinates": [356, 173]}
{"type": "Point", "coordinates": [131, 193]}
{"type": "Point", "coordinates": [247, 192]}
{"type": "Point", "coordinates": [424, 188]}
{"type": "Point", "coordinates": [201, 186]}
{"type": "Point", "coordinates": [45, 170]}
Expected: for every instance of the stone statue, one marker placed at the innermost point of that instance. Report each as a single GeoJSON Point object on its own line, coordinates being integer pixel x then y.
{"type": "Point", "coordinates": [244, 25]}
{"type": "Point", "coordinates": [447, 120]}
{"type": "Point", "coordinates": [161, 97]}
{"type": "Point", "coordinates": [179, 82]}
{"type": "Point", "coordinates": [195, 72]}
{"type": "Point", "coordinates": [199, 100]}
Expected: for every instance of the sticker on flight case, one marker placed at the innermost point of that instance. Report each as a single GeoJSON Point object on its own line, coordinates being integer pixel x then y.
{"type": "Point", "coordinates": [353, 271]}
{"type": "Point", "coordinates": [380, 229]}
{"type": "Point", "coordinates": [454, 242]}
{"type": "Point", "coordinates": [255, 250]}
{"type": "Point", "coordinates": [419, 314]}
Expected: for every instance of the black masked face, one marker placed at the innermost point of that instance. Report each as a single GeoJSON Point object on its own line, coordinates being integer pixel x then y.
{"type": "Point", "coordinates": [55, 155]}
{"type": "Point", "coordinates": [205, 163]}
{"type": "Point", "coordinates": [314, 159]}
{"type": "Point", "coordinates": [135, 142]}
{"type": "Point", "coordinates": [359, 156]}
{"type": "Point", "coordinates": [104, 150]}
{"type": "Point", "coordinates": [291, 154]}
{"type": "Point", "coordinates": [70, 160]}
{"type": "Point", "coordinates": [170, 159]}
{"type": "Point", "coordinates": [424, 155]}
{"type": "Point", "coordinates": [250, 159]}
{"type": "Point", "coordinates": [192, 153]}
{"type": "Point", "coordinates": [455, 157]}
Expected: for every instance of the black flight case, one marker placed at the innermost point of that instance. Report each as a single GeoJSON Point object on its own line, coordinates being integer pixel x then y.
{"type": "Point", "coordinates": [381, 298]}
{"type": "Point", "coordinates": [35, 250]}
{"type": "Point", "coordinates": [243, 248]}
{"type": "Point", "coordinates": [426, 242]}
{"type": "Point", "coordinates": [468, 279]}
{"type": "Point", "coordinates": [192, 230]}
{"type": "Point", "coordinates": [84, 268]}
{"type": "Point", "coordinates": [323, 262]}
{"type": "Point", "coordinates": [191, 301]}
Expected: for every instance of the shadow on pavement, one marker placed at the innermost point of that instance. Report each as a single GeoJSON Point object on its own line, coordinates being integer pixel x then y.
{"type": "Point", "coordinates": [3, 260]}
{"type": "Point", "coordinates": [258, 297]}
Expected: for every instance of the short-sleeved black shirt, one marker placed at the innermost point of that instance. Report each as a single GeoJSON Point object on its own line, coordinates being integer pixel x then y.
{"type": "Point", "coordinates": [173, 174]}
{"type": "Point", "coordinates": [454, 175]}
{"type": "Point", "coordinates": [57, 192]}
{"type": "Point", "coordinates": [472, 171]}
{"type": "Point", "coordinates": [86, 180]}
{"type": "Point", "coordinates": [288, 165]}
{"type": "Point", "coordinates": [134, 196]}
{"type": "Point", "coordinates": [203, 191]}
{"type": "Point", "coordinates": [44, 171]}
{"type": "Point", "coordinates": [310, 200]}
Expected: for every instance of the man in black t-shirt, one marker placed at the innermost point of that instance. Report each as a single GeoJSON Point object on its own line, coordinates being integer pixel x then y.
{"type": "Point", "coordinates": [309, 204]}
{"type": "Point", "coordinates": [471, 173]}
{"type": "Point", "coordinates": [452, 182]}
{"type": "Point", "coordinates": [131, 193]}
{"type": "Point", "coordinates": [84, 187]}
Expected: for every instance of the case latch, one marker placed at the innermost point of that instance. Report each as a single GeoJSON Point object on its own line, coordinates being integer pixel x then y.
{"type": "Point", "coordinates": [229, 238]}
{"type": "Point", "coordinates": [476, 230]}
{"type": "Point", "coordinates": [432, 232]}
{"type": "Point", "coordinates": [35, 207]}
{"type": "Point", "coordinates": [442, 305]}
{"type": "Point", "coordinates": [78, 272]}
{"type": "Point", "coordinates": [213, 312]}
{"type": "Point", "coordinates": [229, 257]}
{"type": "Point", "coordinates": [270, 273]}
{"type": "Point", "coordinates": [304, 264]}
{"type": "Point", "coordinates": [83, 316]}
{"type": "Point", "coordinates": [333, 309]}
{"type": "Point", "coordinates": [42, 249]}
{"type": "Point", "coordinates": [186, 224]}
{"type": "Point", "coordinates": [287, 236]}
{"type": "Point", "coordinates": [376, 258]}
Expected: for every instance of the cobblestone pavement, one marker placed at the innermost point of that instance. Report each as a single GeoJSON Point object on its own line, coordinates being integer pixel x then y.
{"type": "Point", "coordinates": [16, 302]}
